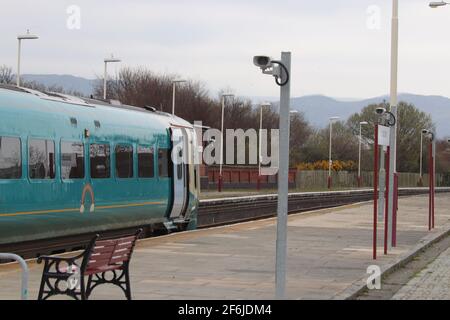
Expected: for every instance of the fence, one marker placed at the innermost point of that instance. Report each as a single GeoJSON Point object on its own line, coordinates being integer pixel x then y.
{"type": "Point", "coordinates": [246, 177]}
{"type": "Point", "coordinates": [241, 177]}
{"type": "Point", "coordinates": [345, 179]}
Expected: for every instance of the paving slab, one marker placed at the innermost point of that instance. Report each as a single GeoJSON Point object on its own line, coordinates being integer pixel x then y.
{"type": "Point", "coordinates": [431, 283]}
{"type": "Point", "coordinates": [328, 255]}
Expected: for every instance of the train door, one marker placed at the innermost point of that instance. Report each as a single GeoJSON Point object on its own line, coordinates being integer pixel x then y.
{"type": "Point", "coordinates": [180, 174]}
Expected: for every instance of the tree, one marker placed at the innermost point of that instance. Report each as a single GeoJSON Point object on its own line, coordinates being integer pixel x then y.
{"type": "Point", "coordinates": [411, 121]}
{"type": "Point", "coordinates": [141, 87]}
{"type": "Point", "coordinates": [300, 132]}
{"type": "Point", "coordinates": [344, 144]}
{"type": "Point", "coordinates": [442, 156]}
{"type": "Point", "coordinates": [6, 75]}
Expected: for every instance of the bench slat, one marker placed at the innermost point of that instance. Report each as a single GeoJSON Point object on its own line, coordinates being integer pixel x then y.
{"type": "Point", "coordinates": [102, 251]}
{"type": "Point", "coordinates": [98, 263]}
{"type": "Point", "coordinates": [121, 258]}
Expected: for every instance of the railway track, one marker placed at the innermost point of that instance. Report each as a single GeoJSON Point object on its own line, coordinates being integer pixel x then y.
{"type": "Point", "coordinates": [216, 212]}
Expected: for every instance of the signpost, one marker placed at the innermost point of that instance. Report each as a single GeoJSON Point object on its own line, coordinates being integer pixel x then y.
{"type": "Point", "coordinates": [381, 179]}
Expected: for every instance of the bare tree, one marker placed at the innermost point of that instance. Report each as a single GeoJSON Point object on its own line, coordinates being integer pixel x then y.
{"type": "Point", "coordinates": [141, 87]}
{"type": "Point", "coordinates": [6, 75]}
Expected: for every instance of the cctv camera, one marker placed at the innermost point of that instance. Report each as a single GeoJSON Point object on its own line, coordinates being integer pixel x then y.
{"type": "Point", "coordinates": [263, 62]}
{"type": "Point", "coordinates": [424, 131]}
{"type": "Point", "coordinates": [380, 110]}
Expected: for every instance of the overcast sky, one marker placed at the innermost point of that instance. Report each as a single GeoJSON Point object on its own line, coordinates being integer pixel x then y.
{"type": "Point", "coordinates": [338, 47]}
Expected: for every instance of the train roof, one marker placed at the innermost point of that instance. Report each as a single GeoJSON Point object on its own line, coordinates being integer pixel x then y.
{"type": "Point", "coordinates": [31, 104]}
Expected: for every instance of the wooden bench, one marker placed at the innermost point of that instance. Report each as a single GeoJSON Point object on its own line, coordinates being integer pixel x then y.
{"type": "Point", "coordinates": [103, 261]}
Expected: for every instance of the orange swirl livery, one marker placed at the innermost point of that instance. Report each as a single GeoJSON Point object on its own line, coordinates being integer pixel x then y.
{"type": "Point", "coordinates": [87, 188]}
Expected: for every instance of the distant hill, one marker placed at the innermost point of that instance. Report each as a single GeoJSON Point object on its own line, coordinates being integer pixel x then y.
{"type": "Point", "coordinates": [319, 108]}
{"type": "Point", "coordinates": [68, 82]}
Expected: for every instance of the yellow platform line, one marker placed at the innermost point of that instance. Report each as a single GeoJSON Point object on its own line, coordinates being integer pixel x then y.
{"type": "Point", "coordinates": [78, 209]}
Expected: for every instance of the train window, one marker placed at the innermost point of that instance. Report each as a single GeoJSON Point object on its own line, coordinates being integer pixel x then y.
{"type": "Point", "coordinates": [124, 161]}
{"type": "Point", "coordinates": [146, 162]}
{"type": "Point", "coordinates": [72, 160]}
{"type": "Point", "coordinates": [41, 159]}
{"type": "Point", "coordinates": [179, 171]}
{"type": "Point", "coordinates": [180, 166]}
{"type": "Point", "coordinates": [10, 158]}
{"type": "Point", "coordinates": [99, 155]}
{"type": "Point", "coordinates": [163, 163]}
{"type": "Point", "coordinates": [195, 179]}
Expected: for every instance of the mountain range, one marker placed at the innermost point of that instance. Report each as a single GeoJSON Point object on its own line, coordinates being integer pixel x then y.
{"type": "Point", "coordinates": [317, 108]}
{"type": "Point", "coordinates": [67, 82]}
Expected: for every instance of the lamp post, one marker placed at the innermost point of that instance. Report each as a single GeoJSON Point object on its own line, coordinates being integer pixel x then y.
{"type": "Point", "coordinates": [437, 4]}
{"type": "Point", "coordinates": [224, 96]}
{"type": "Point", "coordinates": [265, 104]}
{"type": "Point", "coordinates": [330, 161]}
{"type": "Point", "coordinates": [107, 60]}
{"type": "Point", "coordinates": [393, 128]}
{"type": "Point", "coordinates": [422, 133]}
{"type": "Point", "coordinates": [431, 134]}
{"type": "Point", "coordinates": [26, 36]}
{"type": "Point", "coordinates": [174, 83]}
{"type": "Point", "coordinates": [362, 123]}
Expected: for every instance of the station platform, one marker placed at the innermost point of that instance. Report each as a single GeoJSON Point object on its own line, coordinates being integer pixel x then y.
{"type": "Point", "coordinates": [328, 255]}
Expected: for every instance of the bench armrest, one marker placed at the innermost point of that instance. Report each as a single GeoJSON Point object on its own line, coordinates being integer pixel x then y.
{"type": "Point", "coordinates": [59, 259]}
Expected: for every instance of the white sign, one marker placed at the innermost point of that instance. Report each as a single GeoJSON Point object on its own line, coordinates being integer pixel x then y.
{"type": "Point", "coordinates": [383, 135]}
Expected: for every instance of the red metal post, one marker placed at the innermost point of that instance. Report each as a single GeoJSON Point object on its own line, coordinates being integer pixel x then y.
{"type": "Point", "coordinates": [375, 193]}
{"type": "Point", "coordinates": [219, 185]}
{"type": "Point", "coordinates": [329, 182]}
{"type": "Point", "coordinates": [430, 182]}
{"type": "Point", "coordinates": [433, 194]}
{"type": "Point", "coordinates": [359, 181]}
{"type": "Point", "coordinates": [395, 208]}
{"type": "Point", "coordinates": [386, 197]}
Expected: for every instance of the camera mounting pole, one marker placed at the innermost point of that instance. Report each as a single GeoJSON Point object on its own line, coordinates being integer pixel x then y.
{"type": "Point", "coordinates": [281, 71]}
{"type": "Point", "coordinates": [283, 177]}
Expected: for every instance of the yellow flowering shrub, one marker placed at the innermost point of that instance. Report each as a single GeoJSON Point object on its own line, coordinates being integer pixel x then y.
{"type": "Point", "coordinates": [338, 165]}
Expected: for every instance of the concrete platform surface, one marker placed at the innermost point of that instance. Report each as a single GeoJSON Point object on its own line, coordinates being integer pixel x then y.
{"type": "Point", "coordinates": [328, 253]}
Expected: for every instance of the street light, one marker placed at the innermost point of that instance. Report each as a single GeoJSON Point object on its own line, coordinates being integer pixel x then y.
{"type": "Point", "coordinates": [26, 36]}
{"type": "Point", "coordinates": [393, 128]}
{"type": "Point", "coordinates": [422, 133]}
{"type": "Point", "coordinates": [330, 161]}
{"type": "Point", "coordinates": [107, 60]}
{"type": "Point", "coordinates": [225, 95]}
{"type": "Point", "coordinates": [174, 83]}
{"type": "Point", "coordinates": [362, 123]}
{"type": "Point", "coordinates": [265, 104]}
{"type": "Point", "coordinates": [431, 134]}
{"type": "Point", "coordinates": [437, 4]}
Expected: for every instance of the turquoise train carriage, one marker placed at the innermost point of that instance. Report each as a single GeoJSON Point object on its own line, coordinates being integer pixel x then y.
{"type": "Point", "coordinates": [72, 166]}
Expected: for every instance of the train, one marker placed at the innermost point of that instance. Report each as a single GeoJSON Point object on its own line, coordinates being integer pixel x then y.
{"type": "Point", "coordinates": [72, 166]}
